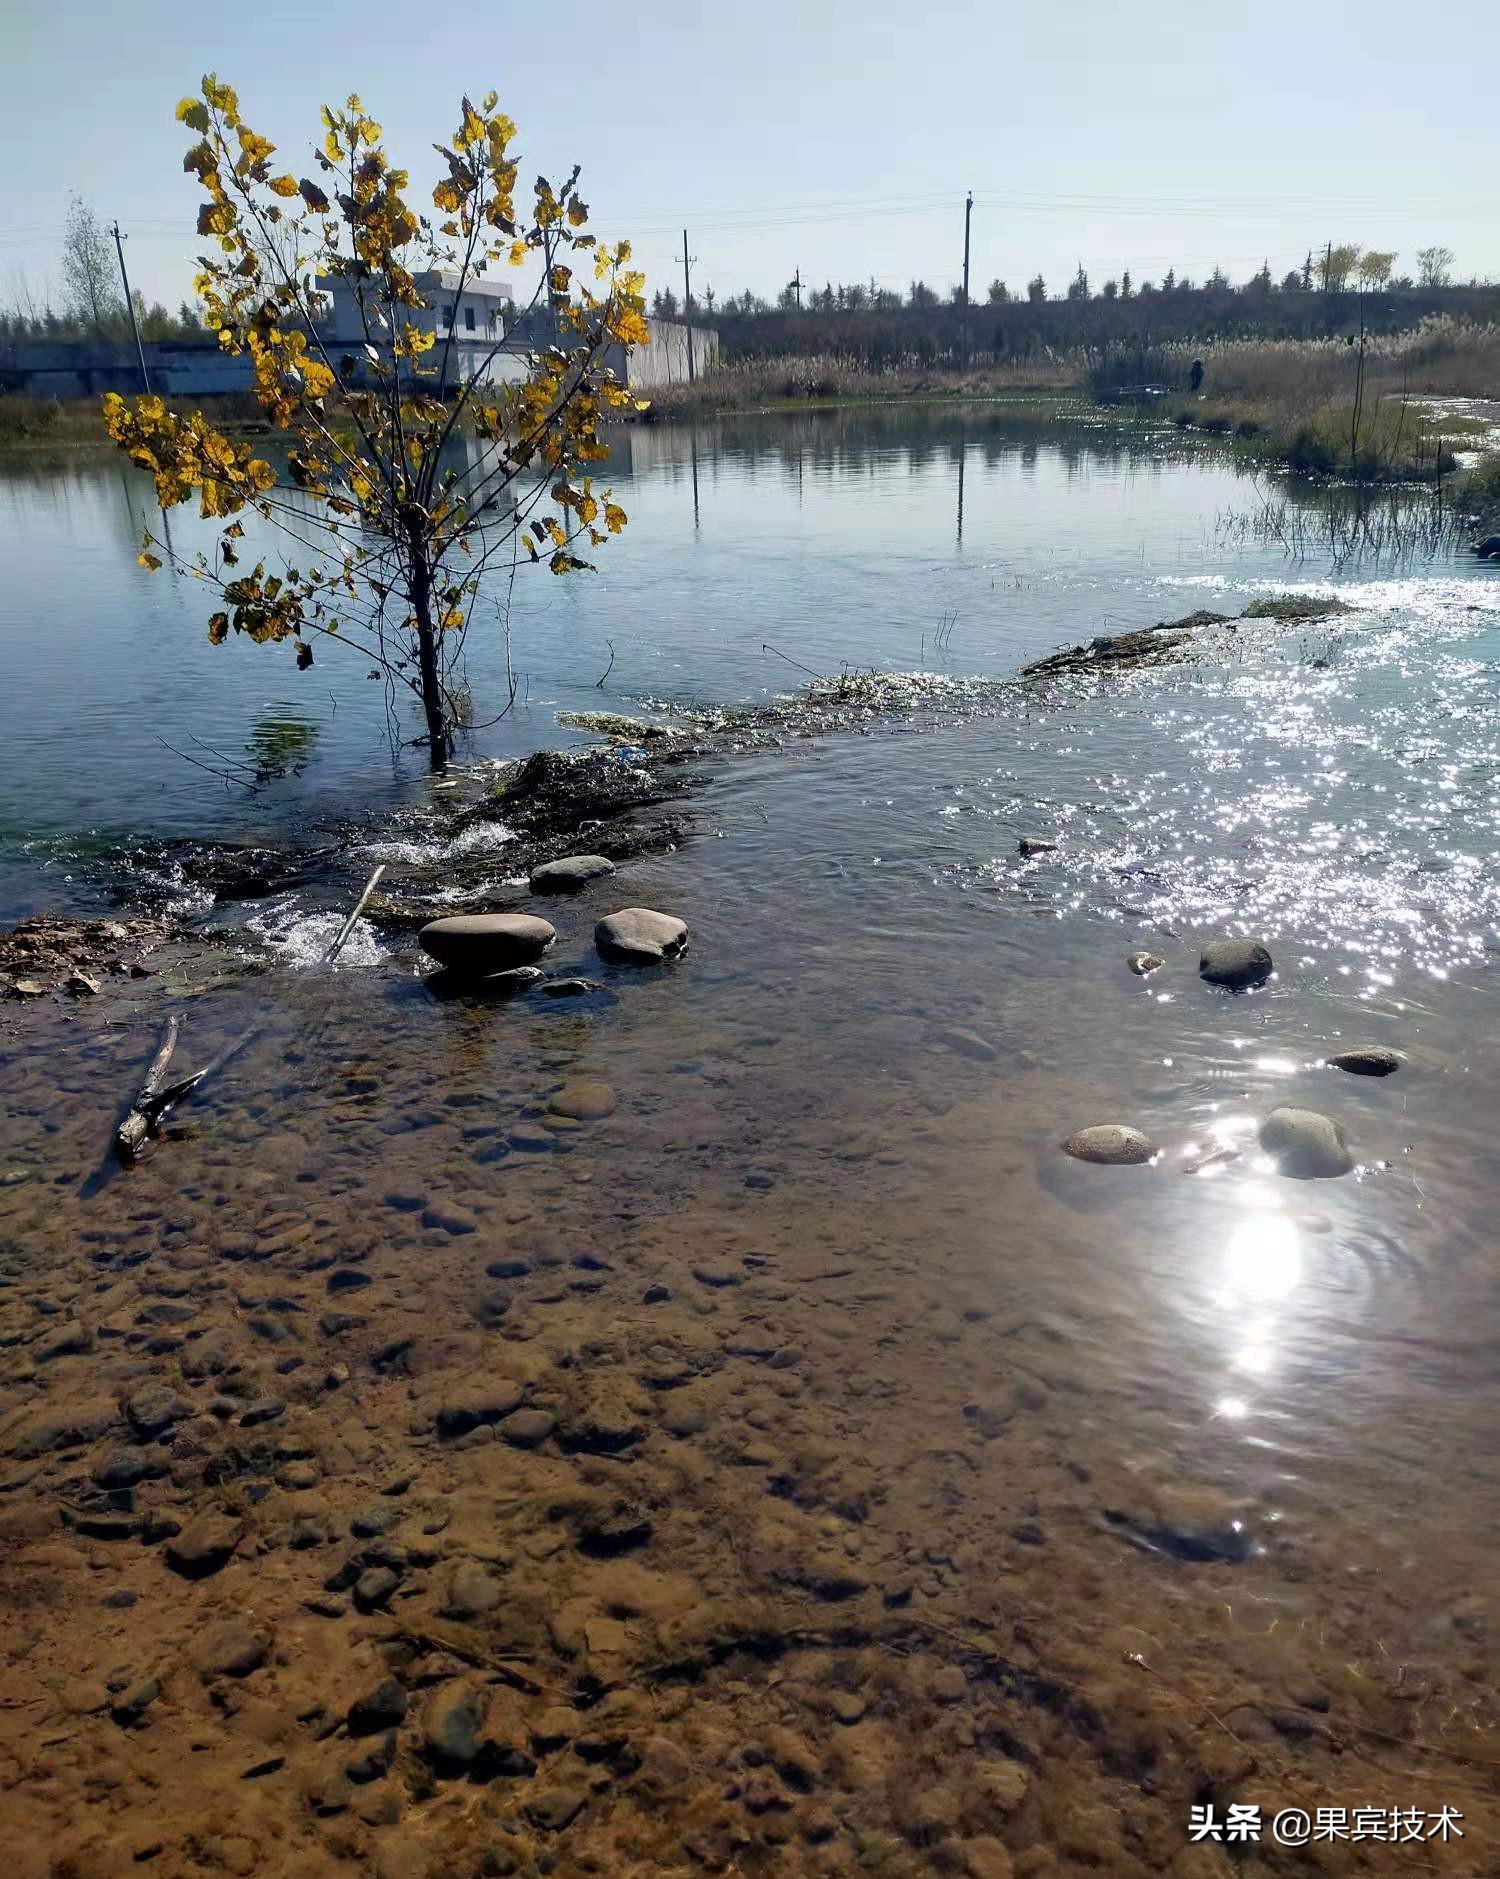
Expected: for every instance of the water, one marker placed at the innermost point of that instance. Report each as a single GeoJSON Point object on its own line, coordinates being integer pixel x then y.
{"type": "Point", "coordinates": [1234, 1424]}
{"type": "Point", "coordinates": [847, 539]}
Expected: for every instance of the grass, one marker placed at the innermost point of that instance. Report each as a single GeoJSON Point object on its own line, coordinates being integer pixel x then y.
{"type": "Point", "coordinates": [797, 380]}
{"type": "Point", "coordinates": [45, 424]}
{"type": "Point", "coordinates": [1292, 401]}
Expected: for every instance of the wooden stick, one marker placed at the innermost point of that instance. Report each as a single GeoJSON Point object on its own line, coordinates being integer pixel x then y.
{"type": "Point", "coordinates": [130, 1137]}
{"type": "Point", "coordinates": [348, 927]}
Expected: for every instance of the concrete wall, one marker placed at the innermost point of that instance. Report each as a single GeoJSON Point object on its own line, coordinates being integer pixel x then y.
{"type": "Point", "coordinates": [665, 360]}
{"type": "Point", "coordinates": [72, 369]}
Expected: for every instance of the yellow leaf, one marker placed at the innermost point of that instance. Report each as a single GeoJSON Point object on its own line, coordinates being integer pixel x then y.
{"type": "Point", "coordinates": [453, 617]}
{"type": "Point", "coordinates": [218, 629]}
{"type": "Point", "coordinates": [312, 196]}
{"type": "Point", "coordinates": [192, 113]}
{"type": "Point", "coordinates": [614, 516]}
{"type": "Point", "coordinates": [284, 185]}
{"type": "Point", "coordinates": [146, 559]}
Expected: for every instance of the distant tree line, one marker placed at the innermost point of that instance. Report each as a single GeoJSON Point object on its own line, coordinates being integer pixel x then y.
{"type": "Point", "coordinates": [91, 302]}
{"type": "Point", "coordinates": [879, 327]}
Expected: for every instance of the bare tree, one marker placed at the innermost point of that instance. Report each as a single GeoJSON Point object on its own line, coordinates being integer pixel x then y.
{"type": "Point", "coordinates": [1434, 266]}
{"type": "Point", "coordinates": [88, 268]}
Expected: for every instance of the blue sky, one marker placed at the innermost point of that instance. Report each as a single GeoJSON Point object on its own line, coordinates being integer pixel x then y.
{"type": "Point", "coordinates": [838, 137]}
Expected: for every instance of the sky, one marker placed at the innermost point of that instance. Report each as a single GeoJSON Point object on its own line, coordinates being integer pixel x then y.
{"type": "Point", "coordinates": [837, 137]}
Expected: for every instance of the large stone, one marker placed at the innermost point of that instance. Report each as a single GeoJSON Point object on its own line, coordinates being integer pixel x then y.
{"type": "Point", "coordinates": [1237, 963]}
{"type": "Point", "coordinates": [638, 937]}
{"type": "Point", "coordinates": [477, 943]}
{"type": "Point", "coordinates": [1370, 1060]}
{"type": "Point", "coordinates": [1489, 548]}
{"type": "Point", "coordinates": [1305, 1145]}
{"type": "Point", "coordinates": [569, 874]}
{"type": "Point", "coordinates": [1112, 1144]}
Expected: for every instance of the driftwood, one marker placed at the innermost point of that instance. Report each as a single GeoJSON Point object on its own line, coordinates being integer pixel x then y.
{"type": "Point", "coordinates": [132, 1134]}
{"type": "Point", "coordinates": [157, 1098]}
{"type": "Point", "coordinates": [348, 927]}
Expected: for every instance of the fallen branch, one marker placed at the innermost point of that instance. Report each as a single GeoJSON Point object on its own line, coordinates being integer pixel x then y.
{"type": "Point", "coordinates": [157, 1098]}
{"type": "Point", "coordinates": [348, 927]}
{"type": "Point", "coordinates": [132, 1134]}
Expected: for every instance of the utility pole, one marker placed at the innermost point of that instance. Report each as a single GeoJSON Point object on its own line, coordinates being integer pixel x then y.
{"type": "Point", "coordinates": [797, 286]}
{"type": "Point", "coordinates": [963, 344]}
{"type": "Point", "coordinates": [140, 350]}
{"type": "Point", "coordinates": [687, 302]}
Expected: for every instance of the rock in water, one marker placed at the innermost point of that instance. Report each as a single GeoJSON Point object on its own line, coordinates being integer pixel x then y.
{"type": "Point", "coordinates": [638, 937]}
{"type": "Point", "coordinates": [1111, 1144]}
{"type": "Point", "coordinates": [1305, 1145]}
{"type": "Point", "coordinates": [1237, 963]}
{"type": "Point", "coordinates": [583, 1100]}
{"type": "Point", "coordinates": [480, 943]}
{"type": "Point", "coordinates": [1030, 845]}
{"type": "Point", "coordinates": [1371, 1060]}
{"type": "Point", "coordinates": [570, 874]}
{"type": "Point", "coordinates": [451, 1722]}
{"type": "Point", "coordinates": [1142, 963]}
{"type": "Point", "coordinates": [1489, 548]}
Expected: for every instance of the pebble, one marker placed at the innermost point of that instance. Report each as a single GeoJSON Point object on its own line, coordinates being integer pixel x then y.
{"type": "Point", "coordinates": [374, 1586]}
{"type": "Point", "coordinates": [1236, 963]}
{"type": "Point", "coordinates": [717, 1276]}
{"type": "Point", "coordinates": [526, 1428]}
{"type": "Point", "coordinates": [263, 1409]}
{"type": "Point", "coordinates": [478, 943]}
{"type": "Point", "coordinates": [584, 1100]}
{"type": "Point", "coordinates": [1112, 1144]}
{"type": "Point", "coordinates": [451, 1721]}
{"type": "Point", "coordinates": [479, 1403]}
{"type": "Point", "coordinates": [229, 1650]}
{"type": "Point", "coordinates": [472, 1590]}
{"type": "Point", "coordinates": [444, 1217]}
{"type": "Point", "coordinates": [637, 936]}
{"type": "Point", "coordinates": [204, 1545]}
{"type": "Point", "coordinates": [154, 1408]}
{"type": "Point", "coordinates": [1305, 1145]}
{"type": "Point", "coordinates": [1368, 1061]}
{"type": "Point", "coordinates": [554, 1808]}
{"type": "Point", "coordinates": [375, 1519]}
{"type": "Point", "coordinates": [571, 988]}
{"type": "Point", "coordinates": [1142, 963]}
{"type": "Point", "coordinates": [569, 874]}
{"type": "Point", "coordinates": [968, 1044]}
{"type": "Point", "coordinates": [381, 1707]}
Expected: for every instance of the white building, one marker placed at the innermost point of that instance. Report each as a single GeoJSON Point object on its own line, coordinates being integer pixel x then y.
{"type": "Point", "coordinates": [477, 319]}
{"type": "Point", "coordinates": [492, 340]}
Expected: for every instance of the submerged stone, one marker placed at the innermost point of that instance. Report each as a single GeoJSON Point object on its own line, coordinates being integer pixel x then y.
{"type": "Point", "coordinates": [1236, 963]}
{"type": "Point", "coordinates": [482, 943]}
{"type": "Point", "coordinates": [1371, 1060]}
{"type": "Point", "coordinates": [1030, 845]}
{"type": "Point", "coordinates": [1142, 963]}
{"type": "Point", "coordinates": [638, 936]}
{"type": "Point", "coordinates": [569, 874]}
{"type": "Point", "coordinates": [583, 1100]}
{"type": "Point", "coordinates": [1111, 1144]}
{"type": "Point", "coordinates": [1305, 1145]}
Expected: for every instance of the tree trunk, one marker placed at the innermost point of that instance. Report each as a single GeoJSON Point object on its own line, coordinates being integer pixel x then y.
{"type": "Point", "coordinates": [427, 654]}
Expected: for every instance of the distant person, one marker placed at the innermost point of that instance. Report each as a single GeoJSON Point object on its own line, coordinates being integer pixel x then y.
{"type": "Point", "coordinates": [1195, 377]}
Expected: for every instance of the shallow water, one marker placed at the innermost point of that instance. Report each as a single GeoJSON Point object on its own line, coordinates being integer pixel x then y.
{"type": "Point", "coordinates": [1235, 1424]}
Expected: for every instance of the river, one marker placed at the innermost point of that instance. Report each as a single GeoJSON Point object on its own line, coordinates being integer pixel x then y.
{"type": "Point", "coordinates": [897, 1492]}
